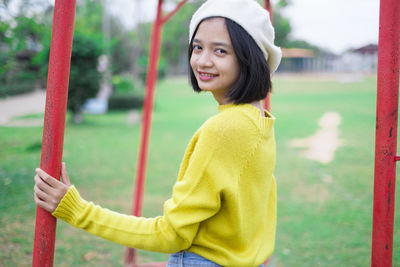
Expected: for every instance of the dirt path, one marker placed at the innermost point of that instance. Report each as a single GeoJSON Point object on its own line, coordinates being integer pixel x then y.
{"type": "Point", "coordinates": [322, 145]}
{"type": "Point", "coordinates": [20, 105]}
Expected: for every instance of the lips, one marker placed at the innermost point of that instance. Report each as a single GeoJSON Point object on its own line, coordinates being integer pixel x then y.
{"type": "Point", "coordinates": [206, 76]}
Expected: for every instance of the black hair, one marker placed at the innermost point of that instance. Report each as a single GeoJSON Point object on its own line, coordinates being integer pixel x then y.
{"type": "Point", "coordinates": [254, 81]}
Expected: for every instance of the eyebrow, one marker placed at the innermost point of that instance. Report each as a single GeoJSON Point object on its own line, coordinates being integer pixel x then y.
{"type": "Point", "coordinates": [214, 43]}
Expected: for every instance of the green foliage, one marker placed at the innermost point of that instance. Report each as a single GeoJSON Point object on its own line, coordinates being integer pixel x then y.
{"type": "Point", "coordinates": [305, 45]}
{"type": "Point", "coordinates": [19, 41]}
{"type": "Point", "coordinates": [173, 56]}
{"type": "Point", "coordinates": [126, 102]}
{"type": "Point", "coordinates": [27, 33]}
{"type": "Point", "coordinates": [175, 36]}
{"type": "Point", "coordinates": [124, 46]}
{"type": "Point", "coordinates": [122, 85]}
{"type": "Point", "coordinates": [283, 3]}
{"type": "Point", "coordinates": [84, 78]}
{"type": "Point", "coordinates": [282, 29]}
{"type": "Point", "coordinates": [23, 86]}
{"type": "Point", "coordinates": [142, 62]}
{"type": "Point", "coordinates": [88, 21]}
{"type": "Point", "coordinates": [126, 95]}
{"type": "Point", "coordinates": [31, 37]}
{"type": "Point", "coordinates": [125, 85]}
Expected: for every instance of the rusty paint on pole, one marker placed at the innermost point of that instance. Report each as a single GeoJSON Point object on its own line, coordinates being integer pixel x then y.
{"type": "Point", "coordinates": [386, 133]}
{"type": "Point", "coordinates": [54, 122]}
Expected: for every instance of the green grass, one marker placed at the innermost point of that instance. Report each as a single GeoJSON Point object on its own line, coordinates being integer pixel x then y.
{"type": "Point", "coordinates": [320, 222]}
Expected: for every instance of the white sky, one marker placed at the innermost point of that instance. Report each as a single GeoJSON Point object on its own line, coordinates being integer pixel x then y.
{"type": "Point", "coordinates": [334, 24]}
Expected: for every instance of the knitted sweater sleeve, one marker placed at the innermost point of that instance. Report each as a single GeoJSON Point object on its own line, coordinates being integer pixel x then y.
{"type": "Point", "coordinates": [195, 198]}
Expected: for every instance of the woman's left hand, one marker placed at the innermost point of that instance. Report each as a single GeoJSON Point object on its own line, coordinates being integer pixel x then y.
{"type": "Point", "coordinates": [48, 191]}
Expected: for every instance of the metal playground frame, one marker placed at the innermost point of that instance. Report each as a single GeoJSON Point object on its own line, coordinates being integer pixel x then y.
{"type": "Point", "coordinates": [55, 113]}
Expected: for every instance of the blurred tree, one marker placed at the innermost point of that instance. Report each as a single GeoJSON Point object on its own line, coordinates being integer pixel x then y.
{"type": "Point", "coordinates": [88, 44]}
{"type": "Point", "coordinates": [282, 29]}
{"type": "Point", "coordinates": [21, 31]}
{"type": "Point", "coordinates": [176, 38]}
{"type": "Point", "coordinates": [20, 38]}
{"type": "Point", "coordinates": [124, 43]}
{"type": "Point", "coordinates": [173, 57]}
{"type": "Point", "coordinates": [25, 36]}
{"type": "Point", "coordinates": [84, 78]}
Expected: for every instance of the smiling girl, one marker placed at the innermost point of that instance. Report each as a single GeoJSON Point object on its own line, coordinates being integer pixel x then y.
{"type": "Point", "coordinates": [223, 206]}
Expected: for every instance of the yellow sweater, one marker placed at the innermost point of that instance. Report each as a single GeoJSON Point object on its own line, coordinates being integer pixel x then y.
{"type": "Point", "coordinates": [223, 205]}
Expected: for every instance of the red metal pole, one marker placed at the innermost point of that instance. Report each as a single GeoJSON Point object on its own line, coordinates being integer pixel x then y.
{"type": "Point", "coordinates": [173, 12]}
{"type": "Point", "coordinates": [267, 6]}
{"type": "Point", "coordinates": [148, 110]}
{"type": "Point", "coordinates": [267, 101]}
{"type": "Point", "coordinates": [386, 133]}
{"type": "Point", "coordinates": [146, 123]}
{"type": "Point", "coordinates": [54, 122]}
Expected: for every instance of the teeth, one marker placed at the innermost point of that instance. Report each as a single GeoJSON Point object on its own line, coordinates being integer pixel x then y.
{"type": "Point", "coordinates": [208, 75]}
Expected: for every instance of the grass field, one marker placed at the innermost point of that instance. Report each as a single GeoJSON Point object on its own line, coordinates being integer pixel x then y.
{"type": "Point", "coordinates": [324, 210]}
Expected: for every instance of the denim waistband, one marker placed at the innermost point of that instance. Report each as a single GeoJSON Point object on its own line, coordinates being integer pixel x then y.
{"type": "Point", "coordinates": [190, 259]}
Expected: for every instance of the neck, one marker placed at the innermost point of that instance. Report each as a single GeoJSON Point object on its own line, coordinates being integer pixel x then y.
{"type": "Point", "coordinates": [222, 100]}
{"type": "Point", "coordinates": [258, 105]}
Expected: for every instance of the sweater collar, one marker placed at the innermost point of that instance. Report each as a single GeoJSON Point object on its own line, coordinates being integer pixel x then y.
{"type": "Point", "coordinates": [248, 107]}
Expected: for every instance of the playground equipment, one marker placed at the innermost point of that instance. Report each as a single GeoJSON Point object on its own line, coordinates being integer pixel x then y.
{"type": "Point", "coordinates": [55, 111]}
{"type": "Point", "coordinates": [130, 254]}
{"type": "Point", "coordinates": [386, 133]}
{"type": "Point", "coordinates": [54, 122]}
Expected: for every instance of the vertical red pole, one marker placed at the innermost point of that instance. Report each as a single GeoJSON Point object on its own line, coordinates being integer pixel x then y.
{"type": "Point", "coordinates": [267, 102]}
{"type": "Point", "coordinates": [54, 122]}
{"type": "Point", "coordinates": [267, 6]}
{"type": "Point", "coordinates": [148, 109]}
{"type": "Point", "coordinates": [146, 123]}
{"type": "Point", "coordinates": [386, 133]}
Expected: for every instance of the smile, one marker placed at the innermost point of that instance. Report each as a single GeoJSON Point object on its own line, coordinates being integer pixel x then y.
{"type": "Point", "coordinates": [206, 76]}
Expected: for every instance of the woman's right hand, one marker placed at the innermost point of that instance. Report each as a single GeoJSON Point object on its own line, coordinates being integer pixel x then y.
{"type": "Point", "coordinates": [48, 191]}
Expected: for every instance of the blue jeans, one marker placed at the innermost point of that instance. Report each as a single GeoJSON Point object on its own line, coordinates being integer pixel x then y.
{"type": "Point", "coordinates": [190, 259]}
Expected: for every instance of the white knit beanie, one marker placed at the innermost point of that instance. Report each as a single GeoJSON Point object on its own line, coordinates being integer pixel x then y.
{"type": "Point", "coordinates": [248, 14]}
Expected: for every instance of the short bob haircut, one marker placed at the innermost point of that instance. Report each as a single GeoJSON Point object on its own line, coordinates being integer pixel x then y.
{"type": "Point", "coordinates": [254, 81]}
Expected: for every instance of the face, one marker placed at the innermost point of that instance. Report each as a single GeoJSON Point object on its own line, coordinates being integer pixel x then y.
{"type": "Point", "coordinates": [213, 60]}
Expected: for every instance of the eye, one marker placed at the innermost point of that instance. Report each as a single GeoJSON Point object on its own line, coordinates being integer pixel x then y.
{"type": "Point", "coordinates": [196, 47]}
{"type": "Point", "coordinates": [220, 51]}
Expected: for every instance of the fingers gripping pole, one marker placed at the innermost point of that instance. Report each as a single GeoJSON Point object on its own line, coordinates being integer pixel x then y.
{"type": "Point", "coordinates": [54, 122]}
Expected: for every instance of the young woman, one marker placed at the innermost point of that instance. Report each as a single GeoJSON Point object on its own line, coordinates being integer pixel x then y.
{"type": "Point", "coordinates": [223, 206]}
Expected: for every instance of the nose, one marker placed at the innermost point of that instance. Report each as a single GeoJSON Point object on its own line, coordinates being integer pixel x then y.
{"type": "Point", "coordinates": [204, 59]}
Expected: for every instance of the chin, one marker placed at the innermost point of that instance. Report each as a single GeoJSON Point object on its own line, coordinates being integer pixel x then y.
{"type": "Point", "coordinates": [205, 87]}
